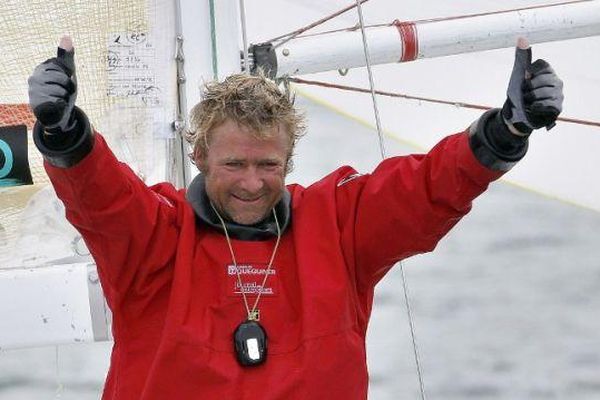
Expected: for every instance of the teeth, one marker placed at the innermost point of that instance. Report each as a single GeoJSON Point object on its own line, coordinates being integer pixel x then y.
{"type": "Point", "coordinates": [244, 199]}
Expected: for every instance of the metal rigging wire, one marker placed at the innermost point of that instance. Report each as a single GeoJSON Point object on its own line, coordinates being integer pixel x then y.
{"type": "Point", "coordinates": [457, 103]}
{"type": "Point", "coordinates": [438, 19]}
{"type": "Point", "coordinates": [383, 155]}
{"type": "Point", "coordinates": [289, 36]}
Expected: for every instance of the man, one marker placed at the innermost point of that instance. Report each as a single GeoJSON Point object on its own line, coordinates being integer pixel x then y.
{"type": "Point", "coordinates": [242, 287]}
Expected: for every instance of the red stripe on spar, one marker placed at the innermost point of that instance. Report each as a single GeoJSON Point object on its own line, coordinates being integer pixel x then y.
{"type": "Point", "coordinates": [409, 38]}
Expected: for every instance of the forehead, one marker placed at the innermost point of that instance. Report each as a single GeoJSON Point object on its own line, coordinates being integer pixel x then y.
{"type": "Point", "coordinates": [233, 140]}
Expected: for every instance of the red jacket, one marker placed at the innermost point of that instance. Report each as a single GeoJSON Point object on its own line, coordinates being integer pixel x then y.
{"type": "Point", "coordinates": [167, 281]}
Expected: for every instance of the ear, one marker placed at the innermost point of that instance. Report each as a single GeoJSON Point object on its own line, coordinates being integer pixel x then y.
{"type": "Point", "coordinates": [200, 159]}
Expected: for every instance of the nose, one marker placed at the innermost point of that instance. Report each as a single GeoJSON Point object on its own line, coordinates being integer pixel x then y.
{"type": "Point", "coordinates": [252, 181]}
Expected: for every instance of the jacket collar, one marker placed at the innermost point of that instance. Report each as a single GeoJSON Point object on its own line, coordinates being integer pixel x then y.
{"type": "Point", "coordinates": [263, 230]}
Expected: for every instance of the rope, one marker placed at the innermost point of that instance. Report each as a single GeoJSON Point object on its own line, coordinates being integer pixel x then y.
{"type": "Point", "coordinates": [371, 83]}
{"type": "Point", "coordinates": [501, 11]}
{"type": "Point", "coordinates": [382, 149]}
{"type": "Point", "coordinates": [289, 36]}
{"type": "Point", "coordinates": [428, 99]}
{"type": "Point", "coordinates": [413, 336]}
{"type": "Point", "coordinates": [456, 17]}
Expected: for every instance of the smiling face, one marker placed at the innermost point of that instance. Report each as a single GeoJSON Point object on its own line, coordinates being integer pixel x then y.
{"type": "Point", "coordinates": [244, 174]}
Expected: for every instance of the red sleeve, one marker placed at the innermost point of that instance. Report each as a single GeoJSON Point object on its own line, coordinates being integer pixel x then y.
{"type": "Point", "coordinates": [130, 229]}
{"type": "Point", "coordinates": [408, 204]}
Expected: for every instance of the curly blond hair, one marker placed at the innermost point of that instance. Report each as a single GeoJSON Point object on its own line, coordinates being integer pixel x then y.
{"type": "Point", "coordinates": [253, 101]}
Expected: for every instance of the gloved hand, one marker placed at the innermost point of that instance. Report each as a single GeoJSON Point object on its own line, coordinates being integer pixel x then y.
{"type": "Point", "coordinates": [535, 94]}
{"type": "Point", "coordinates": [53, 90]}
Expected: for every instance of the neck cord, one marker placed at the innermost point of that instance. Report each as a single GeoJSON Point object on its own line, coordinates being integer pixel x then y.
{"type": "Point", "coordinates": [252, 315]}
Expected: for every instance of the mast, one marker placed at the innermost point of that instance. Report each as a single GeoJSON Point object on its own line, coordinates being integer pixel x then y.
{"type": "Point", "coordinates": [208, 47]}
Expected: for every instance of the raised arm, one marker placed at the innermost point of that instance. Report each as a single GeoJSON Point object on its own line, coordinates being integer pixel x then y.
{"type": "Point", "coordinates": [409, 203]}
{"type": "Point", "coordinates": [130, 229]}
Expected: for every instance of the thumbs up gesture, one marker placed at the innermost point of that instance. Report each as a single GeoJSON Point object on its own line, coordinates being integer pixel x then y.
{"type": "Point", "coordinates": [535, 94]}
{"type": "Point", "coordinates": [53, 90]}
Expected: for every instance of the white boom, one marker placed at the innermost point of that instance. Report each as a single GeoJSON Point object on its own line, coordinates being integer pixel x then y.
{"type": "Point", "coordinates": [407, 41]}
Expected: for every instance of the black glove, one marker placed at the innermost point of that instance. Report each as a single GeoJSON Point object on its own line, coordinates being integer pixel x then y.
{"type": "Point", "coordinates": [53, 90]}
{"type": "Point", "coordinates": [535, 94]}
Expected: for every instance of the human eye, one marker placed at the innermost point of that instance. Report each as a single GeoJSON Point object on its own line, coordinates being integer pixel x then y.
{"type": "Point", "coordinates": [270, 165]}
{"type": "Point", "coordinates": [234, 164]}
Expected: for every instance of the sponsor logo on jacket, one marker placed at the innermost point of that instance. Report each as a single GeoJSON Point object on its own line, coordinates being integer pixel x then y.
{"type": "Point", "coordinates": [251, 277]}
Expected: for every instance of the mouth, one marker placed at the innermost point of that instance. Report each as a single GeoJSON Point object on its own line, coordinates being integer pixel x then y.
{"type": "Point", "coordinates": [247, 200]}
